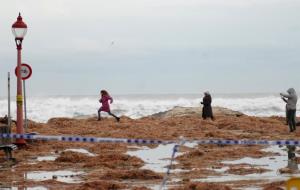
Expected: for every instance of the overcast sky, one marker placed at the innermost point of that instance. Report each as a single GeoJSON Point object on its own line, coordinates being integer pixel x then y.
{"type": "Point", "coordinates": [154, 46]}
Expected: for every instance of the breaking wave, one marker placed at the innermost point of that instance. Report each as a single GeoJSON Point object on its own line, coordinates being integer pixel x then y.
{"type": "Point", "coordinates": [135, 106]}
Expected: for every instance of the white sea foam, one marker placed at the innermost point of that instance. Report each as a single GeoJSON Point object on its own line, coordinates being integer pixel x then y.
{"type": "Point", "coordinates": [135, 106]}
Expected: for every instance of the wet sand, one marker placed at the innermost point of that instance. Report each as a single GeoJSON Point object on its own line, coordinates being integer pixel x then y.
{"type": "Point", "coordinates": [108, 166]}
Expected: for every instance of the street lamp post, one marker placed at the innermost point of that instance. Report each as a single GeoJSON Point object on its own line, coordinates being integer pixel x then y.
{"type": "Point", "coordinates": [19, 29]}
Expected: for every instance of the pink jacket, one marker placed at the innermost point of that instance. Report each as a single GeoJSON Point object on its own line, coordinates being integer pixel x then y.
{"type": "Point", "coordinates": [105, 104]}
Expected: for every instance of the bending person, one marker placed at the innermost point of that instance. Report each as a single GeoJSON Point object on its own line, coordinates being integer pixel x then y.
{"type": "Point", "coordinates": [291, 105]}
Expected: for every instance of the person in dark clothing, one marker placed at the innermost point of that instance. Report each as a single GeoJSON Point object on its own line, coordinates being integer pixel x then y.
{"type": "Point", "coordinates": [291, 105]}
{"type": "Point", "coordinates": [207, 109]}
{"type": "Point", "coordinates": [4, 120]}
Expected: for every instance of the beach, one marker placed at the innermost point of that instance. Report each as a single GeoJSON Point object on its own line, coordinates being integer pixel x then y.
{"type": "Point", "coordinates": [71, 165]}
{"type": "Point", "coordinates": [149, 95]}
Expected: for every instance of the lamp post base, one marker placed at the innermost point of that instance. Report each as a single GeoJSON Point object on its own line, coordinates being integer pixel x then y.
{"type": "Point", "coordinates": [21, 143]}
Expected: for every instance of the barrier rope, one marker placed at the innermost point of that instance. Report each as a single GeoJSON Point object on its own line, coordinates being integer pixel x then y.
{"type": "Point", "coordinates": [147, 141]}
{"type": "Point", "coordinates": [166, 177]}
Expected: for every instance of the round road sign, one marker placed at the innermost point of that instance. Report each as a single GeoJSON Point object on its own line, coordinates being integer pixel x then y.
{"type": "Point", "coordinates": [26, 71]}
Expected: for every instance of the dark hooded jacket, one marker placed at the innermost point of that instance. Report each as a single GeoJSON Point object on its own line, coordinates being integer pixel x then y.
{"type": "Point", "coordinates": [207, 109]}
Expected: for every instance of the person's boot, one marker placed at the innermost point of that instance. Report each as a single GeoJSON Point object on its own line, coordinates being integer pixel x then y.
{"type": "Point", "coordinates": [291, 128]}
{"type": "Point", "coordinates": [118, 119]}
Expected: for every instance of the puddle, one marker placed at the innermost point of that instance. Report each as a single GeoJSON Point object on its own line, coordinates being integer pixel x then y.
{"type": "Point", "coordinates": [190, 145]}
{"type": "Point", "coordinates": [46, 158]}
{"type": "Point", "coordinates": [24, 188]}
{"type": "Point", "coordinates": [62, 176]}
{"type": "Point", "coordinates": [169, 184]}
{"type": "Point", "coordinates": [36, 188]}
{"type": "Point", "coordinates": [37, 159]}
{"type": "Point", "coordinates": [272, 163]}
{"type": "Point", "coordinates": [81, 150]}
{"type": "Point", "coordinates": [157, 159]}
{"type": "Point", "coordinates": [134, 148]}
{"type": "Point", "coordinates": [156, 186]}
{"type": "Point", "coordinates": [54, 156]}
{"type": "Point", "coordinates": [221, 170]}
{"type": "Point", "coordinates": [251, 188]}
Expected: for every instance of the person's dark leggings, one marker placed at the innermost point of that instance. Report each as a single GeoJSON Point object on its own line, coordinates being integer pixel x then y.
{"type": "Point", "coordinates": [116, 117]}
{"type": "Point", "coordinates": [291, 114]}
{"type": "Point", "coordinates": [286, 116]}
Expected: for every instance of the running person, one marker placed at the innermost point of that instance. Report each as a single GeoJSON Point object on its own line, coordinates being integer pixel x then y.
{"type": "Point", "coordinates": [104, 100]}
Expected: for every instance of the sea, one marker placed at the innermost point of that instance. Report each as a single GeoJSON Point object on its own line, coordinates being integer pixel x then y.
{"type": "Point", "coordinates": [42, 108]}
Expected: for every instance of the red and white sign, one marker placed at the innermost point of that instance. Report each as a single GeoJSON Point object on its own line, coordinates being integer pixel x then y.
{"type": "Point", "coordinates": [26, 71]}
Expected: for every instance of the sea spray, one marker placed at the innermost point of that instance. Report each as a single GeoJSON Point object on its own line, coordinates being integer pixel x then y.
{"type": "Point", "coordinates": [135, 106]}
